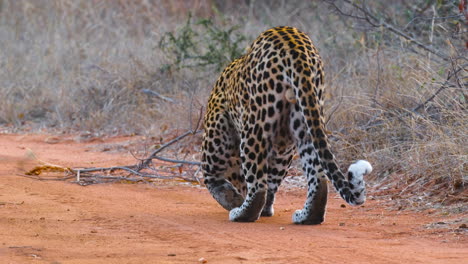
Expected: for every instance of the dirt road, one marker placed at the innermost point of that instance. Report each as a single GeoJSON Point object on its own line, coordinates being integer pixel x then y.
{"type": "Point", "coordinates": [61, 222]}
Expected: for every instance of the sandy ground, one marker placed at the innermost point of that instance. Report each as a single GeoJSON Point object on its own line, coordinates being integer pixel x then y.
{"type": "Point", "coordinates": [62, 222]}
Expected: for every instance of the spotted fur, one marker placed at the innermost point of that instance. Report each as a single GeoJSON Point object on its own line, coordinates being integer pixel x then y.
{"type": "Point", "coordinates": [264, 106]}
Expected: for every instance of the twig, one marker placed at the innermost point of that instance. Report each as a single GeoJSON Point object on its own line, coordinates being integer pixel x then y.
{"type": "Point", "coordinates": [126, 178]}
{"type": "Point", "coordinates": [145, 163]}
{"type": "Point", "coordinates": [195, 174]}
{"type": "Point", "coordinates": [441, 88]}
{"type": "Point", "coordinates": [178, 161]}
{"type": "Point", "coordinates": [160, 96]}
{"type": "Point", "coordinates": [125, 168]}
{"type": "Point", "coordinates": [379, 69]}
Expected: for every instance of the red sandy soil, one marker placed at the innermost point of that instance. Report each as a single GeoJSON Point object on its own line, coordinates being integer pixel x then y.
{"type": "Point", "coordinates": [62, 222]}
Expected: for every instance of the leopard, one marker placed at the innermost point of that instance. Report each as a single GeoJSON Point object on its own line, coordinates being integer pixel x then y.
{"type": "Point", "coordinates": [265, 107]}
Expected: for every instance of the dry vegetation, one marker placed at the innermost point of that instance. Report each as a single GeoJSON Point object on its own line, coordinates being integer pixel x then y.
{"type": "Point", "coordinates": [81, 65]}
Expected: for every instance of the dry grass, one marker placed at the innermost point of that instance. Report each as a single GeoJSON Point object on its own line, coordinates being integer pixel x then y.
{"type": "Point", "coordinates": [425, 150]}
{"type": "Point", "coordinates": [79, 65]}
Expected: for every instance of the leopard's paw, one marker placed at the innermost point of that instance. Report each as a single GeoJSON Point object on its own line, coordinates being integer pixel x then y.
{"type": "Point", "coordinates": [302, 217]}
{"type": "Point", "coordinates": [250, 210]}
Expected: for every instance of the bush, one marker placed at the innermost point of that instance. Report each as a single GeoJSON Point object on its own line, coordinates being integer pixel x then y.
{"type": "Point", "coordinates": [202, 44]}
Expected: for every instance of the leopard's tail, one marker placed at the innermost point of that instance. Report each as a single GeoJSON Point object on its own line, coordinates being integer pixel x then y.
{"type": "Point", "coordinates": [351, 188]}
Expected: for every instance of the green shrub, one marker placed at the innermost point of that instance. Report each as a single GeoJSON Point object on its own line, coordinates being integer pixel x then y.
{"type": "Point", "coordinates": [201, 44]}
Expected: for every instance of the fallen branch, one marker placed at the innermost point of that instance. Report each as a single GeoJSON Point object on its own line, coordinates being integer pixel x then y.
{"type": "Point", "coordinates": [178, 161]}
{"type": "Point", "coordinates": [142, 170]}
{"type": "Point", "coordinates": [145, 162]}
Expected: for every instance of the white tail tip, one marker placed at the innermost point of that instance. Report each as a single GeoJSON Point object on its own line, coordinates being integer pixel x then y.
{"type": "Point", "coordinates": [361, 167]}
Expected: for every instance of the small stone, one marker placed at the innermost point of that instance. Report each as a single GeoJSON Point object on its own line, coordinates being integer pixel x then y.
{"type": "Point", "coordinates": [52, 140]}
{"type": "Point", "coordinates": [343, 206]}
{"type": "Point", "coordinates": [202, 260]}
{"type": "Point", "coordinates": [171, 255]}
{"type": "Point", "coordinates": [462, 226]}
{"type": "Point", "coordinates": [342, 224]}
{"type": "Point", "coordinates": [281, 227]}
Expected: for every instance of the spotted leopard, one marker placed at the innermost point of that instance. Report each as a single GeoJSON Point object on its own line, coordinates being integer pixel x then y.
{"type": "Point", "coordinates": [263, 107]}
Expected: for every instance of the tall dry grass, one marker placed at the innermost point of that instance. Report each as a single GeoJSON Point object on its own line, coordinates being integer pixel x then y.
{"type": "Point", "coordinates": [79, 65]}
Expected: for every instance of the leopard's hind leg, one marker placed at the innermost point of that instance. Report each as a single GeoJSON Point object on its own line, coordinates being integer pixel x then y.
{"type": "Point", "coordinates": [314, 208]}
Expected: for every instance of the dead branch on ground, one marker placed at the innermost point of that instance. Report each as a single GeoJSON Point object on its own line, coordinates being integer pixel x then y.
{"type": "Point", "coordinates": [144, 170]}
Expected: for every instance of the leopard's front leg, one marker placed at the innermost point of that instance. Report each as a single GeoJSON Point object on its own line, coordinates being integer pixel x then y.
{"type": "Point", "coordinates": [278, 165]}
{"type": "Point", "coordinates": [220, 159]}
